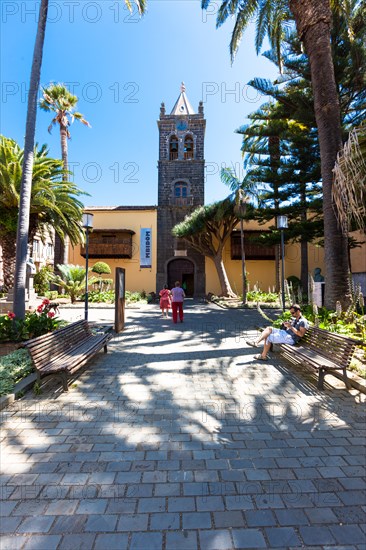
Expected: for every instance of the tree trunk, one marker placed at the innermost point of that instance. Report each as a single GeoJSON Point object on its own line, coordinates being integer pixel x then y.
{"type": "Point", "coordinates": [226, 289]}
{"type": "Point", "coordinates": [275, 160]}
{"type": "Point", "coordinates": [243, 266]}
{"type": "Point", "coordinates": [63, 246]}
{"type": "Point", "coordinates": [313, 21]}
{"type": "Point", "coordinates": [8, 252]}
{"type": "Point", "coordinates": [64, 152]}
{"type": "Point", "coordinates": [26, 183]}
{"type": "Point", "coordinates": [304, 271]}
{"type": "Point", "coordinates": [304, 274]}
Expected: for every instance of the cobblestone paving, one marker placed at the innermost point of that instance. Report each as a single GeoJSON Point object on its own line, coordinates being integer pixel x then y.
{"type": "Point", "coordinates": [178, 439]}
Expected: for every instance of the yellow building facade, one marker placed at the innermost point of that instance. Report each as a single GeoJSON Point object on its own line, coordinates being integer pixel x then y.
{"type": "Point", "coordinates": [116, 240]}
{"type": "Point", "coordinates": [139, 238]}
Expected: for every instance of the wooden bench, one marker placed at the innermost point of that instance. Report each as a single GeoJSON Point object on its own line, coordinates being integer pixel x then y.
{"type": "Point", "coordinates": [65, 350]}
{"type": "Point", "coordinates": [324, 351]}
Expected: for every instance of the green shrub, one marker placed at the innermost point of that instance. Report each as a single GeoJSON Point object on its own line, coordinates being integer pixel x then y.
{"type": "Point", "coordinates": [52, 295]}
{"type": "Point", "coordinates": [100, 268]}
{"type": "Point", "coordinates": [260, 296]}
{"type": "Point", "coordinates": [104, 296]}
{"type": "Point", "coordinates": [135, 296]}
{"type": "Point", "coordinates": [14, 367]}
{"type": "Point", "coordinates": [42, 280]}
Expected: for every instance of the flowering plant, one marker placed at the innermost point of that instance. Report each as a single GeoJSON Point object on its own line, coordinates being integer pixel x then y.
{"type": "Point", "coordinates": [34, 324]}
{"type": "Point", "coordinates": [43, 319]}
{"type": "Point", "coordinates": [12, 329]}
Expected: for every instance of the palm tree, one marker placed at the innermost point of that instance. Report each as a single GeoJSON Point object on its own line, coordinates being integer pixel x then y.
{"type": "Point", "coordinates": [313, 20]}
{"type": "Point", "coordinates": [71, 279]}
{"type": "Point", "coordinates": [53, 201]}
{"type": "Point", "coordinates": [26, 181]}
{"type": "Point", "coordinates": [30, 130]}
{"type": "Point", "coordinates": [58, 100]}
{"type": "Point", "coordinates": [244, 191]}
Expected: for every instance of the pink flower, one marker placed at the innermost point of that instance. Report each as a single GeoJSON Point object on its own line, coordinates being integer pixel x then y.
{"type": "Point", "coordinates": [50, 314]}
{"type": "Point", "coordinates": [11, 315]}
{"type": "Point", "coordinates": [45, 302]}
{"type": "Point", "coordinates": [40, 309]}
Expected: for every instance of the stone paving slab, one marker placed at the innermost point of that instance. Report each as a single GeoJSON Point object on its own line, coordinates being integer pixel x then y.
{"type": "Point", "coordinates": [178, 438]}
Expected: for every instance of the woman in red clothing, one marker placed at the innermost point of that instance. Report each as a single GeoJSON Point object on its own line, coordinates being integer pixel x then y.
{"type": "Point", "coordinates": [165, 301]}
{"type": "Point", "coordinates": [178, 296]}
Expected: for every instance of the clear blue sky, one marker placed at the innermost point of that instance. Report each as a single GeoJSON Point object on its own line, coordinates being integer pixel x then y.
{"type": "Point", "coordinates": [121, 68]}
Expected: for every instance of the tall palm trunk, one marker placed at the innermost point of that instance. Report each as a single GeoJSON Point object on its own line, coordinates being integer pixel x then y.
{"type": "Point", "coordinates": [64, 246]}
{"type": "Point", "coordinates": [8, 253]}
{"type": "Point", "coordinates": [26, 185]}
{"type": "Point", "coordinates": [313, 21]}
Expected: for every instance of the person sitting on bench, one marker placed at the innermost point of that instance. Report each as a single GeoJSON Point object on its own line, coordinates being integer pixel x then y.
{"type": "Point", "coordinates": [292, 332]}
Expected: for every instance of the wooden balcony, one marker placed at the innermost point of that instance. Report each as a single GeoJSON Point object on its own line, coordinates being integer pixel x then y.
{"type": "Point", "coordinates": [109, 244]}
{"type": "Point", "coordinates": [252, 250]}
{"type": "Point", "coordinates": [108, 250]}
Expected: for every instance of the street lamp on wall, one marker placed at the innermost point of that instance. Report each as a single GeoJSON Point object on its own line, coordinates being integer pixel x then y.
{"type": "Point", "coordinates": [282, 224]}
{"type": "Point", "coordinates": [88, 226]}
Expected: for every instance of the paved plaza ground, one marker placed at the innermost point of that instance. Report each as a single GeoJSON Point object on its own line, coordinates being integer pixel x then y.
{"type": "Point", "coordinates": [179, 439]}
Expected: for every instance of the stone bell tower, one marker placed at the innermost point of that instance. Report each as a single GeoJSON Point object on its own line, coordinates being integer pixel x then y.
{"type": "Point", "coordinates": [181, 168]}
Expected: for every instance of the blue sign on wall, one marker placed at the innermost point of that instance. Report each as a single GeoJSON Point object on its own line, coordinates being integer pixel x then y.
{"type": "Point", "coordinates": [145, 247]}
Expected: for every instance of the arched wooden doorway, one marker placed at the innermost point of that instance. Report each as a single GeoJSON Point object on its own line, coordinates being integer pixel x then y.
{"type": "Point", "coordinates": [181, 270]}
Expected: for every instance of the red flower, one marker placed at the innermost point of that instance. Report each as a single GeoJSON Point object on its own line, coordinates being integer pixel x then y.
{"type": "Point", "coordinates": [50, 314]}
{"type": "Point", "coordinates": [11, 315]}
{"type": "Point", "coordinates": [45, 302]}
{"type": "Point", "coordinates": [40, 309]}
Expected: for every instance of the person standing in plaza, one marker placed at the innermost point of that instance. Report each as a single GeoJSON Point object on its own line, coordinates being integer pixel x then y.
{"type": "Point", "coordinates": [178, 296]}
{"type": "Point", "coordinates": [165, 301]}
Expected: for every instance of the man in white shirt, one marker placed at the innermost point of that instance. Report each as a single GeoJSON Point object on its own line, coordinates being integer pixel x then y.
{"type": "Point", "coordinates": [294, 330]}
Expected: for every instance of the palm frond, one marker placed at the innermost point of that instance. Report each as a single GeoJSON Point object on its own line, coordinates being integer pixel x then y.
{"type": "Point", "coordinates": [349, 188]}
{"type": "Point", "coordinates": [245, 12]}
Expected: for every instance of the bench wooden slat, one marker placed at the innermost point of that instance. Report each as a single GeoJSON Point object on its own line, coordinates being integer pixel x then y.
{"type": "Point", "coordinates": [66, 361]}
{"type": "Point", "coordinates": [324, 351]}
{"type": "Point", "coordinates": [56, 345]}
{"type": "Point", "coordinates": [65, 350]}
{"type": "Point", "coordinates": [41, 355]}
